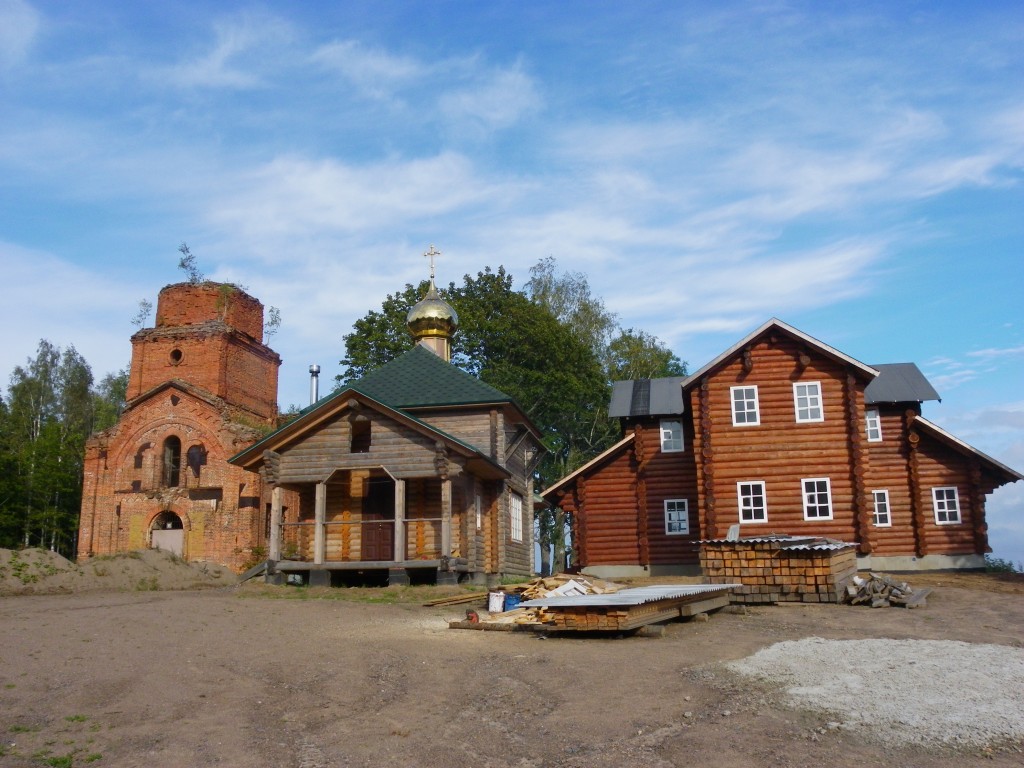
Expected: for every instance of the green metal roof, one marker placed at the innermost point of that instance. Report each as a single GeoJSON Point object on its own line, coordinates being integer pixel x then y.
{"type": "Point", "coordinates": [419, 378]}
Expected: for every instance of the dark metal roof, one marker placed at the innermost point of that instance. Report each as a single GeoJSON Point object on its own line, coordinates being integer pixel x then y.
{"type": "Point", "coordinates": [899, 383]}
{"type": "Point", "coordinates": [647, 397]}
{"type": "Point", "coordinates": [419, 378]}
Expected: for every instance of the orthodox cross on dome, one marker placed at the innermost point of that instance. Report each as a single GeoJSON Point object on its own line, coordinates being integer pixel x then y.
{"type": "Point", "coordinates": [430, 255]}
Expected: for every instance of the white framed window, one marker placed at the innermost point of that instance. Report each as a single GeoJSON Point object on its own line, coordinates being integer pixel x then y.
{"type": "Point", "coordinates": [671, 435]}
{"type": "Point", "coordinates": [881, 518]}
{"type": "Point", "coordinates": [677, 516]}
{"type": "Point", "coordinates": [752, 501]}
{"type": "Point", "coordinates": [817, 498]}
{"type": "Point", "coordinates": [946, 503]}
{"type": "Point", "coordinates": [515, 516]}
{"type": "Point", "coordinates": [807, 401]}
{"type": "Point", "coordinates": [478, 505]}
{"type": "Point", "coordinates": [873, 425]}
{"type": "Point", "coordinates": [745, 411]}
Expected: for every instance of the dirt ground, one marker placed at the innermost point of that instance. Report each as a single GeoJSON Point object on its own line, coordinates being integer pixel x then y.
{"type": "Point", "coordinates": [256, 676]}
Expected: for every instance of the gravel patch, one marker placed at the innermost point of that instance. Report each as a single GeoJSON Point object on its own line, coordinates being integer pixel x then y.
{"type": "Point", "coordinates": [902, 691]}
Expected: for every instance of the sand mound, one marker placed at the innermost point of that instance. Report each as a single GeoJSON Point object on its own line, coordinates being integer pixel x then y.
{"type": "Point", "coordinates": [37, 571]}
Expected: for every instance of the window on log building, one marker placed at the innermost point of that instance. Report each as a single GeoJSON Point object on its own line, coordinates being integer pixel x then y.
{"type": "Point", "coordinates": [671, 435]}
{"type": "Point", "coordinates": [745, 411]}
{"type": "Point", "coordinates": [946, 503]}
{"type": "Point", "coordinates": [807, 401]}
{"type": "Point", "coordinates": [677, 516]}
{"type": "Point", "coordinates": [873, 425]}
{"type": "Point", "coordinates": [515, 514]}
{"type": "Point", "coordinates": [817, 499]}
{"type": "Point", "coordinates": [360, 436]}
{"type": "Point", "coordinates": [752, 501]}
{"type": "Point", "coordinates": [881, 516]}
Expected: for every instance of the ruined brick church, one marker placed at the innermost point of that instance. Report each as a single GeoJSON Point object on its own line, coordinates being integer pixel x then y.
{"type": "Point", "coordinates": [202, 385]}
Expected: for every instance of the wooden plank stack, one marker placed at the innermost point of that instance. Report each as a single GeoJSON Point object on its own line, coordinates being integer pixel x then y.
{"type": "Point", "coordinates": [774, 569]}
{"type": "Point", "coordinates": [622, 618]}
{"type": "Point", "coordinates": [881, 591]}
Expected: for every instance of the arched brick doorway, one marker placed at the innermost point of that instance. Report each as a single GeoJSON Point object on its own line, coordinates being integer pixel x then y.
{"type": "Point", "coordinates": [168, 533]}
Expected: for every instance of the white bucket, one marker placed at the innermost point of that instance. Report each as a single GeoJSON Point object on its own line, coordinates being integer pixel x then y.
{"type": "Point", "coordinates": [496, 602]}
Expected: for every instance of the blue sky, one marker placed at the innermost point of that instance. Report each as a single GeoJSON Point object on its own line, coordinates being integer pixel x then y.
{"type": "Point", "coordinates": [854, 169]}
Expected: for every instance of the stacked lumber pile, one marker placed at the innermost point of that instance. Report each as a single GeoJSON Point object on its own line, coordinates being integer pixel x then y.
{"type": "Point", "coordinates": [882, 591]}
{"type": "Point", "coordinates": [780, 568]}
{"type": "Point", "coordinates": [526, 618]}
{"type": "Point", "coordinates": [624, 618]}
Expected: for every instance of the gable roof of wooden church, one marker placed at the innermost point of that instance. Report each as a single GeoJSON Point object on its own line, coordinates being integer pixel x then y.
{"type": "Point", "coordinates": [420, 379]}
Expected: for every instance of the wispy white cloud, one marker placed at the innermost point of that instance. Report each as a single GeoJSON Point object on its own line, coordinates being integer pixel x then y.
{"type": "Point", "coordinates": [235, 61]}
{"type": "Point", "coordinates": [993, 353]}
{"type": "Point", "coordinates": [374, 72]}
{"type": "Point", "coordinates": [294, 195]}
{"type": "Point", "coordinates": [497, 100]}
{"type": "Point", "coordinates": [82, 315]}
{"type": "Point", "coordinates": [19, 27]}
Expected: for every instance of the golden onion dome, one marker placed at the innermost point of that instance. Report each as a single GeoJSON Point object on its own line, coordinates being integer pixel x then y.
{"type": "Point", "coordinates": [432, 316]}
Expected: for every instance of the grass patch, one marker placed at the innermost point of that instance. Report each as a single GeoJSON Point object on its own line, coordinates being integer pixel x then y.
{"type": "Point", "coordinates": [76, 718]}
{"type": "Point", "coordinates": [397, 595]}
{"type": "Point", "coordinates": [999, 565]}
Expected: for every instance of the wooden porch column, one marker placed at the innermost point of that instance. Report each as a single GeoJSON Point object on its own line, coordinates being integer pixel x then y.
{"type": "Point", "coordinates": [400, 554]}
{"type": "Point", "coordinates": [319, 532]}
{"type": "Point", "coordinates": [274, 545]}
{"type": "Point", "coordinates": [446, 518]}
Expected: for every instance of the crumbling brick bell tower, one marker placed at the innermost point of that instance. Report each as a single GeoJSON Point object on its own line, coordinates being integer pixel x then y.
{"type": "Point", "coordinates": [202, 386]}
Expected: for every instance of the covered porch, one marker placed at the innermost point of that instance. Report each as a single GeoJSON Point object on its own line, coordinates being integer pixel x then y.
{"type": "Point", "coordinates": [358, 521]}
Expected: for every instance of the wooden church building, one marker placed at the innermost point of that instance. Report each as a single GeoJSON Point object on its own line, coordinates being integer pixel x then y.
{"type": "Point", "coordinates": [780, 434]}
{"type": "Point", "coordinates": [418, 471]}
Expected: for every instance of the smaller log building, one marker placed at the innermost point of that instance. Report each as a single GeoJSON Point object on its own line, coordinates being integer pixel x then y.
{"type": "Point", "coordinates": [781, 433]}
{"type": "Point", "coordinates": [417, 471]}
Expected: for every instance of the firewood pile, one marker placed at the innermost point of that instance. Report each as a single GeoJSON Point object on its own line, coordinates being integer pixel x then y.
{"type": "Point", "coordinates": [880, 591]}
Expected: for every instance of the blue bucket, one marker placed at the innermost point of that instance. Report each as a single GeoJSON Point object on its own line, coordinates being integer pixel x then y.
{"type": "Point", "coordinates": [512, 601]}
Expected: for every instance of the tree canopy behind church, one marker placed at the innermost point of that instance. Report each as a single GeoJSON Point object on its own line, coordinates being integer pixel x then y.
{"type": "Point", "coordinates": [556, 368]}
{"type": "Point", "coordinates": [50, 409]}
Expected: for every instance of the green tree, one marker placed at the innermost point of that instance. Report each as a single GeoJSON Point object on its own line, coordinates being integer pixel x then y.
{"type": "Point", "coordinates": [511, 342]}
{"type": "Point", "coordinates": [187, 264]}
{"type": "Point", "coordinates": [48, 417]}
{"type": "Point", "coordinates": [108, 400]}
{"type": "Point", "coordinates": [623, 354]}
{"type": "Point", "coordinates": [636, 354]}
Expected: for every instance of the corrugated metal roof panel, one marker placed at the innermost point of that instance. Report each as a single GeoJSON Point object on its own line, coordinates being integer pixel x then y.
{"type": "Point", "coordinates": [789, 542]}
{"type": "Point", "coordinates": [635, 596]}
{"type": "Point", "coordinates": [647, 397]}
{"type": "Point", "coordinates": [899, 383]}
{"type": "Point", "coordinates": [622, 395]}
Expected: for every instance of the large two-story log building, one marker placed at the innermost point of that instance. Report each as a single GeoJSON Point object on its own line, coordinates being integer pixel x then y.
{"type": "Point", "coordinates": [780, 434]}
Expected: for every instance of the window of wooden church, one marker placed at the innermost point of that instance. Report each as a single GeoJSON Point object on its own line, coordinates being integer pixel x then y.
{"type": "Point", "coordinates": [360, 437]}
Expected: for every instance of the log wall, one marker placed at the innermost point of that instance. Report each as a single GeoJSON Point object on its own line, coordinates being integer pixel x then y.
{"type": "Point", "coordinates": [662, 476]}
{"type": "Point", "coordinates": [607, 519]}
{"type": "Point", "coordinates": [403, 451]}
{"type": "Point", "coordinates": [779, 451]}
